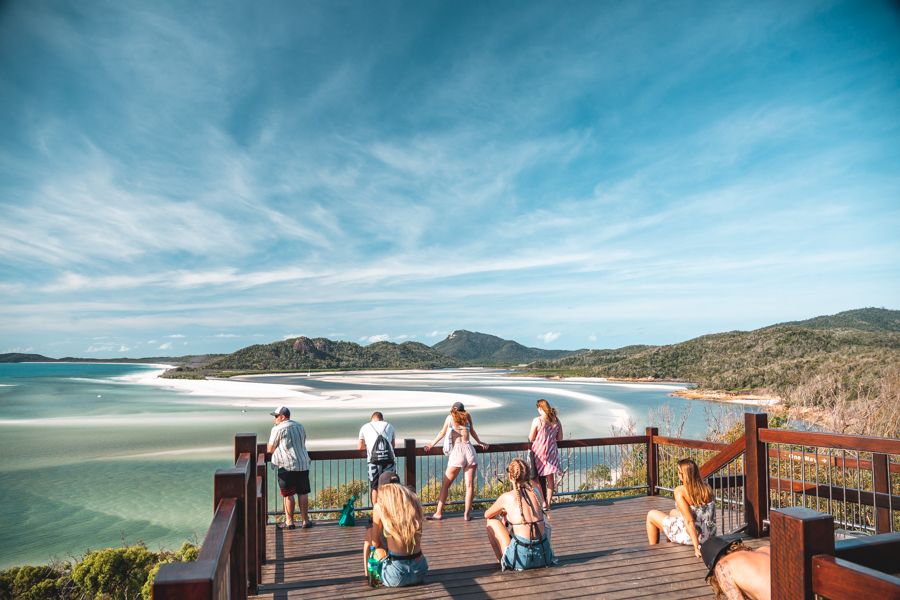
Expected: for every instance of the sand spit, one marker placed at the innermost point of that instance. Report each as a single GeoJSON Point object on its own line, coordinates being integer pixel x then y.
{"type": "Point", "coordinates": [729, 397]}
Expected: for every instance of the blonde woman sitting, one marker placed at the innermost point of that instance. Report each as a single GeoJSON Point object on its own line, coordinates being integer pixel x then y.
{"type": "Point", "coordinates": [693, 521]}
{"type": "Point", "coordinates": [397, 524]}
{"type": "Point", "coordinates": [529, 544]}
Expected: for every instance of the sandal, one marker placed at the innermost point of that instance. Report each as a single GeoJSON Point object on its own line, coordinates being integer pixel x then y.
{"type": "Point", "coordinates": [434, 518]}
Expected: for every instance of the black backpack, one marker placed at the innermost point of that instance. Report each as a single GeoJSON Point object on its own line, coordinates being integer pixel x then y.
{"type": "Point", "coordinates": [382, 453]}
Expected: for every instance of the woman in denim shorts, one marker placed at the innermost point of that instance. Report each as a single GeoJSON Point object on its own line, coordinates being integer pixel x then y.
{"type": "Point", "coordinates": [397, 524]}
{"type": "Point", "coordinates": [527, 545]}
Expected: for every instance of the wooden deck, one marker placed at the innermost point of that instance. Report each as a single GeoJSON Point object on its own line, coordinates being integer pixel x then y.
{"type": "Point", "coordinates": [602, 550]}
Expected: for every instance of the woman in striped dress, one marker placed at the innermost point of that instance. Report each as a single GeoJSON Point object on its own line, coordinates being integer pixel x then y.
{"type": "Point", "coordinates": [546, 431]}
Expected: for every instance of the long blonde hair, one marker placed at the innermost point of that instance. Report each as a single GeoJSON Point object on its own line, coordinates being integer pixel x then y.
{"type": "Point", "coordinates": [548, 410]}
{"type": "Point", "coordinates": [697, 489]}
{"type": "Point", "coordinates": [401, 514]}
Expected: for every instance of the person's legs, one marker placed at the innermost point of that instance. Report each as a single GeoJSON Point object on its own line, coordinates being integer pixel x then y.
{"type": "Point", "coordinates": [288, 510]}
{"type": "Point", "coordinates": [498, 536]}
{"type": "Point", "coordinates": [654, 525]}
{"type": "Point", "coordinates": [303, 505]}
{"type": "Point", "coordinates": [550, 488]}
{"type": "Point", "coordinates": [470, 490]}
{"type": "Point", "coordinates": [449, 478]}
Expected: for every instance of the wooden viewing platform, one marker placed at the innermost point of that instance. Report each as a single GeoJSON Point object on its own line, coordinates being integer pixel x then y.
{"type": "Point", "coordinates": [795, 487]}
{"type": "Point", "coordinates": [602, 550]}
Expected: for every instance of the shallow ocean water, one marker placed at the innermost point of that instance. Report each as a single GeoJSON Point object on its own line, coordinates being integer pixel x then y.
{"type": "Point", "coordinates": [93, 459]}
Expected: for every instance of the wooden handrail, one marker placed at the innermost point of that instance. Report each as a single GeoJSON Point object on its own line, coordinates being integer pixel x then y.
{"type": "Point", "coordinates": [686, 443]}
{"type": "Point", "coordinates": [838, 579]}
{"type": "Point", "coordinates": [828, 459]}
{"type": "Point", "coordinates": [827, 492]}
{"type": "Point", "coordinates": [728, 454]}
{"type": "Point", "coordinates": [830, 440]}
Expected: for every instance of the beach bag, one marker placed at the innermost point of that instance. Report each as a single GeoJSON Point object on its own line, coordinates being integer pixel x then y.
{"type": "Point", "coordinates": [382, 453]}
{"type": "Point", "coordinates": [348, 518]}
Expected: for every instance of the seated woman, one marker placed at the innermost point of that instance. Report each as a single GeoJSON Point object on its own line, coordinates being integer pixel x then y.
{"type": "Point", "coordinates": [529, 544]}
{"type": "Point", "coordinates": [397, 524]}
{"type": "Point", "coordinates": [736, 571]}
{"type": "Point", "coordinates": [693, 521]}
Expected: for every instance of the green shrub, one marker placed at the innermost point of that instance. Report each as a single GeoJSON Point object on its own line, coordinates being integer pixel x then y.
{"type": "Point", "coordinates": [114, 572]}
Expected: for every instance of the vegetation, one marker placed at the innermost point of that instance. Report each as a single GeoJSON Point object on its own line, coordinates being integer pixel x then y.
{"type": "Point", "coordinates": [302, 353]}
{"type": "Point", "coordinates": [483, 349]}
{"type": "Point", "coordinates": [110, 574]}
{"type": "Point", "coordinates": [846, 364]}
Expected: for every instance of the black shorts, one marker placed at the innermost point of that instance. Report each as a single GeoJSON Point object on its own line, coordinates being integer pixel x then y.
{"type": "Point", "coordinates": [375, 472]}
{"type": "Point", "coordinates": [293, 482]}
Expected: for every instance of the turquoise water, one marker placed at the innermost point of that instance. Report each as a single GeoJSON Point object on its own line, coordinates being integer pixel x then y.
{"type": "Point", "coordinates": [91, 461]}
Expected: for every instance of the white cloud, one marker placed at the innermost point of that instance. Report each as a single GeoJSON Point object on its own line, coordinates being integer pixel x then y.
{"type": "Point", "coordinates": [226, 335]}
{"type": "Point", "coordinates": [124, 348]}
{"type": "Point", "coordinates": [550, 336]}
{"type": "Point", "coordinates": [592, 338]}
{"type": "Point", "coordinates": [176, 336]}
{"type": "Point", "coordinates": [437, 333]}
{"type": "Point", "coordinates": [371, 339]}
{"type": "Point", "coordinates": [94, 348]}
{"type": "Point", "coordinates": [290, 336]}
{"type": "Point", "coordinates": [20, 350]}
{"type": "Point", "coordinates": [166, 346]}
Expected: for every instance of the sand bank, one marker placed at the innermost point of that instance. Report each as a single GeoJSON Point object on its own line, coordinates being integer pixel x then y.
{"type": "Point", "coordinates": [729, 397]}
{"type": "Point", "coordinates": [241, 392]}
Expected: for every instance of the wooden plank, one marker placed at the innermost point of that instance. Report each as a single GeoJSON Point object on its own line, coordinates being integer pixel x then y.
{"type": "Point", "coordinates": [797, 534]}
{"type": "Point", "coordinates": [756, 503]}
{"type": "Point", "coordinates": [878, 552]}
{"type": "Point", "coordinates": [601, 547]}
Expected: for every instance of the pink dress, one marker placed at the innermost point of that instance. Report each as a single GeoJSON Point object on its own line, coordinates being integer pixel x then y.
{"type": "Point", "coordinates": [546, 453]}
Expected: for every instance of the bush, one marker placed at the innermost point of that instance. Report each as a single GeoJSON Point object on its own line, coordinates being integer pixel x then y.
{"type": "Point", "coordinates": [114, 572]}
{"type": "Point", "coordinates": [187, 553]}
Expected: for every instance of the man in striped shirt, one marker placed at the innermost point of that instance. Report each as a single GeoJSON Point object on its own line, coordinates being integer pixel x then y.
{"type": "Point", "coordinates": [287, 443]}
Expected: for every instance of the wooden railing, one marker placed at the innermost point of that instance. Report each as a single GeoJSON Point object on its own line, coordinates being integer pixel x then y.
{"type": "Point", "coordinates": [230, 559]}
{"type": "Point", "coordinates": [807, 562]}
{"type": "Point", "coordinates": [233, 551]}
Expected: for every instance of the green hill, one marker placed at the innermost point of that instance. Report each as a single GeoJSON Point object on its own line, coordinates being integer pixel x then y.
{"type": "Point", "coordinates": [320, 353]}
{"type": "Point", "coordinates": [471, 347]}
{"type": "Point", "coordinates": [17, 357]}
{"type": "Point", "coordinates": [862, 319]}
{"type": "Point", "coordinates": [847, 363]}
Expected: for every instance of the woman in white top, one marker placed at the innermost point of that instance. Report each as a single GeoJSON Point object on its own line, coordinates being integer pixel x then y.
{"type": "Point", "coordinates": [458, 425]}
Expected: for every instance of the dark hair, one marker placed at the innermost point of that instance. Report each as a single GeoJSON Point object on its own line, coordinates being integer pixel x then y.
{"type": "Point", "coordinates": [377, 415]}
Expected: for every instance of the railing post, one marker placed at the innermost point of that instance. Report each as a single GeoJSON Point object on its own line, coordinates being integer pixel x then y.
{"type": "Point", "coordinates": [880, 476]}
{"type": "Point", "coordinates": [231, 483]}
{"type": "Point", "coordinates": [409, 451]}
{"type": "Point", "coordinates": [652, 462]}
{"type": "Point", "coordinates": [262, 511]}
{"type": "Point", "coordinates": [245, 443]}
{"type": "Point", "coordinates": [797, 535]}
{"type": "Point", "coordinates": [756, 504]}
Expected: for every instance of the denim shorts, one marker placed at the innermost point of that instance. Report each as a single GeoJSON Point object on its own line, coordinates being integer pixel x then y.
{"type": "Point", "coordinates": [398, 572]}
{"type": "Point", "coordinates": [523, 554]}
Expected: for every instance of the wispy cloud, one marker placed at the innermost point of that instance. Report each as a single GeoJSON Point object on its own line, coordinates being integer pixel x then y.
{"type": "Point", "coordinates": [550, 336]}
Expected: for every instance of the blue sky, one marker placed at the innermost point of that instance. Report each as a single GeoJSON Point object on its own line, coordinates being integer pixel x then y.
{"type": "Point", "coordinates": [181, 178]}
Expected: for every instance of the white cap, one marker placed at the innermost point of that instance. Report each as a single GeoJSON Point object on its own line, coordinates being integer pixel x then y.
{"type": "Point", "coordinates": [281, 410]}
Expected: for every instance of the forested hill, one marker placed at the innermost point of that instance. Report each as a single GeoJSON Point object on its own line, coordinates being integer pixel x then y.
{"type": "Point", "coordinates": [321, 353]}
{"type": "Point", "coordinates": [472, 347]}
{"type": "Point", "coordinates": [774, 358]}
{"type": "Point", "coordinates": [18, 357]}
{"type": "Point", "coordinates": [863, 319]}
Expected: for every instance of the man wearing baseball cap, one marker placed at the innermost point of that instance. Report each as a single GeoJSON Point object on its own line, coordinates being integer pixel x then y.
{"type": "Point", "coordinates": [287, 443]}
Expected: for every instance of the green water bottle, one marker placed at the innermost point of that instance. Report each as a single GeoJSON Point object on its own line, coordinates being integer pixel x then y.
{"type": "Point", "coordinates": [373, 568]}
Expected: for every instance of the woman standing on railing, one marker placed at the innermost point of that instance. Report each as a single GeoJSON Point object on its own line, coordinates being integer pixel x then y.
{"type": "Point", "coordinates": [546, 431]}
{"type": "Point", "coordinates": [397, 524]}
{"type": "Point", "coordinates": [693, 521]}
{"type": "Point", "coordinates": [458, 426]}
{"type": "Point", "coordinates": [528, 544]}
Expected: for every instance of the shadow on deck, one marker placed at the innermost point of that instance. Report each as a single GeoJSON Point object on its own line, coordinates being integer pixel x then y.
{"type": "Point", "coordinates": [602, 551]}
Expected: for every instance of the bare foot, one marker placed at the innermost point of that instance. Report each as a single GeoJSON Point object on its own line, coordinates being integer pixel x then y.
{"type": "Point", "coordinates": [434, 517]}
